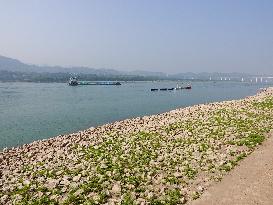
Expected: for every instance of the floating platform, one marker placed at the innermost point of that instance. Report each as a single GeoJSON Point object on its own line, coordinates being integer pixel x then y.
{"type": "Point", "coordinates": [170, 89]}
{"type": "Point", "coordinates": [98, 83]}
{"type": "Point", "coordinates": [154, 89]}
{"type": "Point", "coordinates": [180, 88]}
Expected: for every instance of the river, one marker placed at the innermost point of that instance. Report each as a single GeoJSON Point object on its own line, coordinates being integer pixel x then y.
{"type": "Point", "coordinates": [32, 111]}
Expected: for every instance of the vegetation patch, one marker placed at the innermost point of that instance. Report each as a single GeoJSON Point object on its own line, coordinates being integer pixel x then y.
{"type": "Point", "coordinates": [252, 140]}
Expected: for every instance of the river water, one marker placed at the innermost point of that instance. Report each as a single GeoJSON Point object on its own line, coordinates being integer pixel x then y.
{"type": "Point", "coordinates": [32, 111]}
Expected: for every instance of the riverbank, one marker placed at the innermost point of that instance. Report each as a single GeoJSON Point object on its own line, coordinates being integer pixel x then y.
{"type": "Point", "coordinates": [169, 158]}
{"type": "Point", "coordinates": [250, 183]}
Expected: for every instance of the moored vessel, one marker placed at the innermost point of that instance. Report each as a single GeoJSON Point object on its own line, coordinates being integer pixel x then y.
{"type": "Point", "coordinates": [73, 81]}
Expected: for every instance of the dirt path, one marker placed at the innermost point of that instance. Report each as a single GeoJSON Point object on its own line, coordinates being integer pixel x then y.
{"type": "Point", "coordinates": [248, 184]}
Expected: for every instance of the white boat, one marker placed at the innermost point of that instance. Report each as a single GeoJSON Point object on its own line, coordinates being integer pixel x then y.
{"type": "Point", "coordinates": [180, 88]}
{"type": "Point", "coordinates": [73, 81]}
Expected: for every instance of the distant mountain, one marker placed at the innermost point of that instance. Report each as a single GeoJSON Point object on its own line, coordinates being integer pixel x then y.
{"type": "Point", "coordinates": [146, 73]}
{"type": "Point", "coordinates": [9, 64]}
{"type": "Point", "coordinates": [13, 65]}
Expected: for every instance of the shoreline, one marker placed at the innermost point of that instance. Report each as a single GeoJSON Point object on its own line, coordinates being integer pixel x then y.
{"type": "Point", "coordinates": [168, 157]}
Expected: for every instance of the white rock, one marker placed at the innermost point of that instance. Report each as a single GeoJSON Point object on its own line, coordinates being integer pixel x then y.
{"type": "Point", "coordinates": [78, 192]}
{"type": "Point", "coordinates": [26, 182]}
{"type": "Point", "coordinates": [160, 158]}
{"type": "Point", "coordinates": [76, 178]}
{"type": "Point", "coordinates": [178, 174]}
{"type": "Point", "coordinates": [200, 188]}
{"type": "Point", "coordinates": [64, 189]}
{"type": "Point", "coordinates": [116, 189]}
{"type": "Point", "coordinates": [65, 182]}
{"type": "Point", "coordinates": [4, 199]}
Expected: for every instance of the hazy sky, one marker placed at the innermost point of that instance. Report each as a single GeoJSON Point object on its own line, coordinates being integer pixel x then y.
{"type": "Point", "coordinates": [170, 36]}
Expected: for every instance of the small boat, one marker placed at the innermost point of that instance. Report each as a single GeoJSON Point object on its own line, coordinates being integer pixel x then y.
{"type": "Point", "coordinates": [177, 88]}
{"type": "Point", "coordinates": [73, 81]}
{"type": "Point", "coordinates": [117, 83]}
{"type": "Point", "coordinates": [154, 89]}
{"type": "Point", "coordinates": [180, 88]}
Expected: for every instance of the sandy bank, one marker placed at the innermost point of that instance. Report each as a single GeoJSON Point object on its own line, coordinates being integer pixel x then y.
{"type": "Point", "coordinates": [170, 158]}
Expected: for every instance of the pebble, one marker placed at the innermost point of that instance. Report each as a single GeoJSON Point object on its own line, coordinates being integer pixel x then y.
{"type": "Point", "coordinates": [116, 189]}
{"type": "Point", "coordinates": [76, 178]}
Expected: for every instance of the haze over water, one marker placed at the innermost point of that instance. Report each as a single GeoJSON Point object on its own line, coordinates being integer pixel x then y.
{"type": "Point", "coordinates": [33, 111]}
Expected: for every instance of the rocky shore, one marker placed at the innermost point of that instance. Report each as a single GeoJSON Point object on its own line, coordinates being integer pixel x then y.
{"type": "Point", "coordinates": [169, 158]}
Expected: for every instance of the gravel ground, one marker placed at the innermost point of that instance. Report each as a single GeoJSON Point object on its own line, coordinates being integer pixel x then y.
{"type": "Point", "coordinates": [169, 158]}
{"type": "Point", "coordinates": [251, 183]}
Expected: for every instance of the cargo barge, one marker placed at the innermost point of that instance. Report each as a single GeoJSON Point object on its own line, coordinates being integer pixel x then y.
{"type": "Point", "coordinates": [74, 82]}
